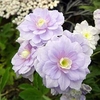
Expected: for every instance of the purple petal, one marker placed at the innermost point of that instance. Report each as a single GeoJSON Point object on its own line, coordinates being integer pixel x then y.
{"type": "Point", "coordinates": [53, 27]}
{"type": "Point", "coordinates": [24, 69]}
{"type": "Point", "coordinates": [79, 62]}
{"type": "Point", "coordinates": [36, 39]}
{"type": "Point", "coordinates": [51, 69]}
{"type": "Point", "coordinates": [75, 84]}
{"type": "Point", "coordinates": [51, 83]}
{"type": "Point", "coordinates": [58, 31]}
{"type": "Point", "coordinates": [47, 35]}
{"type": "Point", "coordinates": [76, 75]}
{"type": "Point", "coordinates": [41, 12]}
{"type": "Point", "coordinates": [17, 60]}
{"type": "Point", "coordinates": [64, 82]}
{"type": "Point", "coordinates": [42, 54]}
{"type": "Point", "coordinates": [53, 55]}
{"type": "Point", "coordinates": [16, 68]}
{"type": "Point", "coordinates": [26, 35]}
{"type": "Point", "coordinates": [60, 19]}
{"type": "Point", "coordinates": [39, 32]}
{"type": "Point", "coordinates": [72, 55]}
{"type": "Point", "coordinates": [38, 68]}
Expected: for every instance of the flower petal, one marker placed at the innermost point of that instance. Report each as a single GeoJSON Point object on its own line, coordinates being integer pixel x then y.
{"type": "Point", "coordinates": [76, 84]}
{"type": "Point", "coordinates": [47, 35]}
{"type": "Point", "coordinates": [64, 82]}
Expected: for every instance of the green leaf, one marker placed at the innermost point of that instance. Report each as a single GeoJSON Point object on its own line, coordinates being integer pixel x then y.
{"type": "Point", "coordinates": [3, 98]}
{"type": "Point", "coordinates": [25, 86]}
{"type": "Point", "coordinates": [96, 3]}
{"type": "Point", "coordinates": [2, 46]}
{"type": "Point", "coordinates": [2, 70]}
{"type": "Point", "coordinates": [31, 94]}
{"type": "Point", "coordinates": [87, 7]}
{"type": "Point", "coordinates": [94, 71]}
{"type": "Point", "coordinates": [4, 79]}
{"type": "Point", "coordinates": [93, 84]}
{"type": "Point", "coordinates": [39, 84]}
{"type": "Point", "coordinates": [12, 76]}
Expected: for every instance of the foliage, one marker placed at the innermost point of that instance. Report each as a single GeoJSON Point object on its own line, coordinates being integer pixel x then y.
{"type": "Point", "coordinates": [12, 88]}
{"type": "Point", "coordinates": [73, 13]}
{"type": "Point", "coordinates": [8, 47]}
{"type": "Point", "coordinates": [91, 6]}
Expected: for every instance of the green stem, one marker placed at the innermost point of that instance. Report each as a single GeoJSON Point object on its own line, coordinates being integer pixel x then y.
{"type": "Point", "coordinates": [95, 54]}
{"type": "Point", "coordinates": [46, 98]}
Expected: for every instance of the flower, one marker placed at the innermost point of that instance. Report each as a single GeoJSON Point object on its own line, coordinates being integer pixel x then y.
{"type": "Point", "coordinates": [96, 16]}
{"type": "Point", "coordinates": [41, 25]}
{"type": "Point", "coordinates": [23, 60]}
{"type": "Point", "coordinates": [81, 40]}
{"type": "Point", "coordinates": [73, 95]}
{"type": "Point", "coordinates": [85, 89]}
{"type": "Point", "coordinates": [62, 64]}
{"type": "Point", "coordinates": [88, 32]}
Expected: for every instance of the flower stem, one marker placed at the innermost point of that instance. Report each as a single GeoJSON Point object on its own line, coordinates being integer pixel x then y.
{"type": "Point", "coordinates": [95, 54]}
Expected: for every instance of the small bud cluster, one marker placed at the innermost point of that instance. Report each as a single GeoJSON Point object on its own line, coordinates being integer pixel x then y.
{"type": "Point", "coordinates": [20, 8]}
{"type": "Point", "coordinates": [73, 94]}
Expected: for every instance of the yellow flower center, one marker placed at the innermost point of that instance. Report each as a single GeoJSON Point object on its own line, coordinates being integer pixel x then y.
{"type": "Point", "coordinates": [25, 54]}
{"type": "Point", "coordinates": [87, 35]}
{"type": "Point", "coordinates": [40, 22]}
{"type": "Point", "coordinates": [65, 63]}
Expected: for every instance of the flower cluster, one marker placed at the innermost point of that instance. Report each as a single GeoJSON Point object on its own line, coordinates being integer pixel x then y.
{"type": "Point", "coordinates": [72, 94]}
{"type": "Point", "coordinates": [60, 57]}
{"type": "Point", "coordinates": [21, 8]}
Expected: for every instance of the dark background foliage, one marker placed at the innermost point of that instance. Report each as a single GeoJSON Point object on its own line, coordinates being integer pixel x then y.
{"type": "Point", "coordinates": [13, 88]}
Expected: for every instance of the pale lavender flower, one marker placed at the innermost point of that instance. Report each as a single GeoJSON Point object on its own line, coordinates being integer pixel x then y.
{"type": "Point", "coordinates": [62, 64]}
{"type": "Point", "coordinates": [81, 40]}
{"type": "Point", "coordinates": [96, 16]}
{"type": "Point", "coordinates": [23, 60]}
{"type": "Point", "coordinates": [41, 25]}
